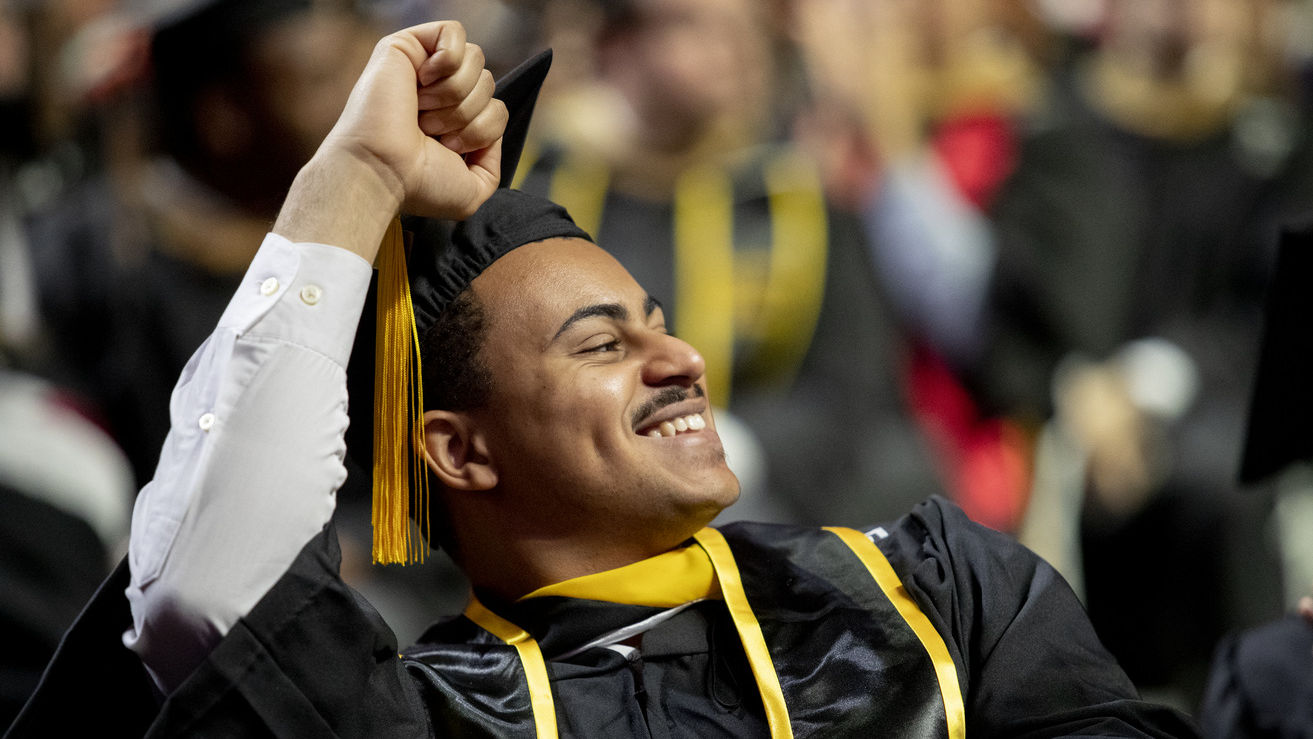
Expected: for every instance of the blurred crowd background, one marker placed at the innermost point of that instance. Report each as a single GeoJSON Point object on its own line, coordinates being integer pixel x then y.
{"type": "Point", "coordinates": [1013, 252]}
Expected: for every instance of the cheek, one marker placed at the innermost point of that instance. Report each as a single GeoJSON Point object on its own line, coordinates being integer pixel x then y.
{"type": "Point", "coordinates": [593, 407]}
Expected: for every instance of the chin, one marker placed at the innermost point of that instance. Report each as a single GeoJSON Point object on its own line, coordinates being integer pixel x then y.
{"type": "Point", "coordinates": [721, 494]}
{"type": "Point", "coordinates": [730, 494]}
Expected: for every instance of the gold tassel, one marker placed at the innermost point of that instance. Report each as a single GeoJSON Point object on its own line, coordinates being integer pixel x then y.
{"type": "Point", "coordinates": [400, 479]}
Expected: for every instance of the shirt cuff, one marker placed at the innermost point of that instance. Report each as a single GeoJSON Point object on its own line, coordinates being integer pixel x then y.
{"type": "Point", "coordinates": [304, 293]}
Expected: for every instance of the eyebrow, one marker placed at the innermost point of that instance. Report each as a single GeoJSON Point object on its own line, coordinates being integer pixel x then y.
{"type": "Point", "coordinates": [614, 311]}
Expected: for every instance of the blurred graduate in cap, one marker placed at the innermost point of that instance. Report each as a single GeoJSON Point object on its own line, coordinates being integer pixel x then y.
{"type": "Point", "coordinates": [532, 416]}
{"type": "Point", "coordinates": [138, 259]}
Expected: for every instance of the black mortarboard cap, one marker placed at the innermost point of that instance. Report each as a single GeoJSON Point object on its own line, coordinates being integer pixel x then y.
{"type": "Point", "coordinates": [444, 258]}
{"type": "Point", "coordinates": [1280, 430]}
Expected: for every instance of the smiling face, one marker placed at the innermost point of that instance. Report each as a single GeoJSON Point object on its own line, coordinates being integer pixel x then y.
{"type": "Point", "coordinates": [597, 422]}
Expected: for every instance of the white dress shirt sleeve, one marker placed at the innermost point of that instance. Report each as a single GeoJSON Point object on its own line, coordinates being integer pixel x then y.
{"type": "Point", "coordinates": [254, 457]}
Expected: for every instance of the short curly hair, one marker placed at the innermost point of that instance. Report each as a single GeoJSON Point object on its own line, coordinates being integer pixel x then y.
{"type": "Point", "coordinates": [456, 379]}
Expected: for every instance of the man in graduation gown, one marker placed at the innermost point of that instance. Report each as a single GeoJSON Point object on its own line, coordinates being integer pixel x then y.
{"type": "Point", "coordinates": [575, 463]}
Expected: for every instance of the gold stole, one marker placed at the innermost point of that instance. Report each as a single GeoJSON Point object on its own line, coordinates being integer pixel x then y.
{"type": "Point", "coordinates": [708, 570]}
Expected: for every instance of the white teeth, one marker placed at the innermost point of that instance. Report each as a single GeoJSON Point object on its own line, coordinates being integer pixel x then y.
{"type": "Point", "coordinates": [691, 422]}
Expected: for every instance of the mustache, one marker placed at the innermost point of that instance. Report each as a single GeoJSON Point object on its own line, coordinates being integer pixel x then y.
{"type": "Point", "coordinates": [664, 397]}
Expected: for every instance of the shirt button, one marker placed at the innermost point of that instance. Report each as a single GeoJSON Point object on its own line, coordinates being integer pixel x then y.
{"type": "Point", "coordinates": [310, 294]}
{"type": "Point", "coordinates": [269, 286]}
{"type": "Point", "coordinates": [206, 421]}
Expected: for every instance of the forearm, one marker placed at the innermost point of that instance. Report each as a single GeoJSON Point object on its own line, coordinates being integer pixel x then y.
{"type": "Point", "coordinates": [339, 199]}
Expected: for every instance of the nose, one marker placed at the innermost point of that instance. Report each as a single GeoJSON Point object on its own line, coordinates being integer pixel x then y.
{"type": "Point", "coordinates": [672, 361]}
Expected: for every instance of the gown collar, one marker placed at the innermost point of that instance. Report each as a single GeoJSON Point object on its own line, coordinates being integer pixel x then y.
{"type": "Point", "coordinates": [667, 580]}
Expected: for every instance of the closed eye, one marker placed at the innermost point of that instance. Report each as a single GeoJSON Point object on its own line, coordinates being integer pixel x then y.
{"type": "Point", "coordinates": [609, 346]}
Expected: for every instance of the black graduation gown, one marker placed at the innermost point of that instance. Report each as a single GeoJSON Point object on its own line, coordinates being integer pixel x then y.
{"type": "Point", "coordinates": [313, 659]}
{"type": "Point", "coordinates": [1261, 684]}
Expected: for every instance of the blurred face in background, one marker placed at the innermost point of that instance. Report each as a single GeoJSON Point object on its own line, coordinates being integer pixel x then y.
{"type": "Point", "coordinates": [245, 92]}
{"type": "Point", "coordinates": [259, 130]}
{"type": "Point", "coordinates": [683, 63]}
{"type": "Point", "coordinates": [306, 67]}
{"type": "Point", "coordinates": [1214, 47]}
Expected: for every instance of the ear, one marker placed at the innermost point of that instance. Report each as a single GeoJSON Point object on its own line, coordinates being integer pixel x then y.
{"type": "Point", "coordinates": [457, 452]}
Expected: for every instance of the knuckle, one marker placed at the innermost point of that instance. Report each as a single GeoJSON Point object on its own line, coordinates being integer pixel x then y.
{"type": "Point", "coordinates": [474, 52]}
